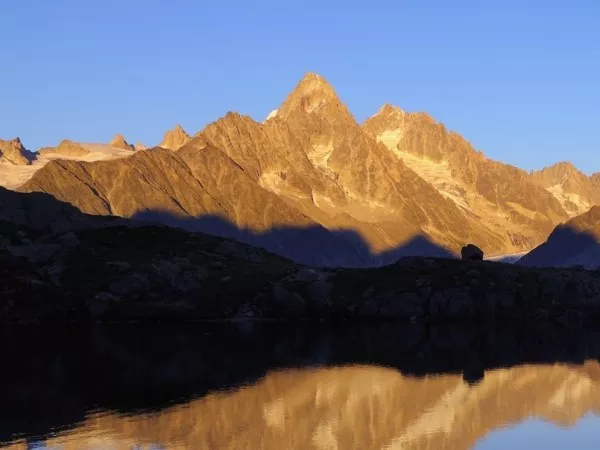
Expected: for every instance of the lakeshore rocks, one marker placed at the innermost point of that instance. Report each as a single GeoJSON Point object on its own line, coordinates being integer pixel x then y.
{"type": "Point", "coordinates": [158, 273]}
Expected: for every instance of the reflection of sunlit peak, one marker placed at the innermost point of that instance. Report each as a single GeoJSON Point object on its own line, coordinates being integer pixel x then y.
{"type": "Point", "coordinates": [354, 407]}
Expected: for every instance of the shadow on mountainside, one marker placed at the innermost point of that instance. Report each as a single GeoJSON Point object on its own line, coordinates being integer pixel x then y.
{"type": "Point", "coordinates": [44, 212]}
{"type": "Point", "coordinates": [53, 377]}
{"type": "Point", "coordinates": [565, 247]}
{"type": "Point", "coordinates": [313, 246]}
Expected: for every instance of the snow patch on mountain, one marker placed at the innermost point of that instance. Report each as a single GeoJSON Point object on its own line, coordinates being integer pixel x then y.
{"type": "Point", "coordinates": [272, 114]}
{"type": "Point", "coordinates": [391, 139]}
{"type": "Point", "coordinates": [572, 203]}
{"type": "Point", "coordinates": [12, 176]}
{"type": "Point", "coordinates": [320, 155]}
{"type": "Point", "coordinates": [439, 175]}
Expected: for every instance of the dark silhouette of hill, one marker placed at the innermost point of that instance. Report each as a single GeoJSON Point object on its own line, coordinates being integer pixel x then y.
{"type": "Point", "coordinates": [44, 212]}
{"type": "Point", "coordinates": [314, 245]}
{"type": "Point", "coordinates": [566, 246]}
{"type": "Point", "coordinates": [52, 377]}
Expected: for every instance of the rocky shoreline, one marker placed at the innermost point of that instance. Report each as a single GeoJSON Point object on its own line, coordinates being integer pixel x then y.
{"type": "Point", "coordinates": [124, 273]}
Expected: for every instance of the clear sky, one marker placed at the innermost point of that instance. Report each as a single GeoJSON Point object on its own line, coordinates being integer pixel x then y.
{"type": "Point", "coordinates": [520, 79]}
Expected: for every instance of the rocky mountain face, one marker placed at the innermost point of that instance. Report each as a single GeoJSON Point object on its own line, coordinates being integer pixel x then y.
{"type": "Point", "coordinates": [14, 152]}
{"type": "Point", "coordinates": [575, 243]}
{"type": "Point", "coordinates": [312, 184]}
{"type": "Point", "coordinates": [175, 139]}
{"type": "Point", "coordinates": [576, 192]}
{"type": "Point", "coordinates": [155, 180]}
{"type": "Point", "coordinates": [119, 142]}
{"type": "Point", "coordinates": [313, 154]}
{"type": "Point", "coordinates": [65, 148]}
{"type": "Point", "coordinates": [497, 195]}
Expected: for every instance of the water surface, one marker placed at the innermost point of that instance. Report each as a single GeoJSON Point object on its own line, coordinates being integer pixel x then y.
{"type": "Point", "coordinates": [244, 386]}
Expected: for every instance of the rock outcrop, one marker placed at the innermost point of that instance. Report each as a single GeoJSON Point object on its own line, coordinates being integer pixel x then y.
{"type": "Point", "coordinates": [14, 152]}
{"type": "Point", "coordinates": [175, 139]}
{"type": "Point", "coordinates": [471, 253]}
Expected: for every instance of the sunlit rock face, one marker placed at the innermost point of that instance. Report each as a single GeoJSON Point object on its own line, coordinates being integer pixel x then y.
{"type": "Point", "coordinates": [576, 191]}
{"type": "Point", "coordinates": [398, 178]}
{"type": "Point", "coordinates": [352, 407]}
{"type": "Point", "coordinates": [65, 148]}
{"type": "Point", "coordinates": [175, 139]}
{"type": "Point", "coordinates": [13, 152]}
{"type": "Point", "coordinates": [119, 142]}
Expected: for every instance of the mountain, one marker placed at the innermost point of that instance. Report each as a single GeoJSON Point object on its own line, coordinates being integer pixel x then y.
{"type": "Point", "coordinates": [313, 154]}
{"type": "Point", "coordinates": [500, 197]}
{"type": "Point", "coordinates": [175, 139]}
{"type": "Point", "coordinates": [576, 192]}
{"type": "Point", "coordinates": [119, 142]}
{"type": "Point", "coordinates": [14, 152]}
{"type": "Point", "coordinates": [575, 243]}
{"type": "Point", "coordinates": [313, 185]}
{"type": "Point", "coordinates": [65, 148]}
{"type": "Point", "coordinates": [140, 146]}
{"type": "Point", "coordinates": [152, 179]}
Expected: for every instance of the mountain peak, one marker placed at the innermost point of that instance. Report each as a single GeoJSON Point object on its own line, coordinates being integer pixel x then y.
{"type": "Point", "coordinates": [389, 109]}
{"type": "Point", "coordinates": [175, 138]}
{"type": "Point", "coordinates": [14, 152]}
{"type": "Point", "coordinates": [66, 147]}
{"type": "Point", "coordinates": [560, 169]}
{"type": "Point", "coordinates": [312, 83]}
{"type": "Point", "coordinates": [310, 95]}
{"type": "Point", "coordinates": [120, 142]}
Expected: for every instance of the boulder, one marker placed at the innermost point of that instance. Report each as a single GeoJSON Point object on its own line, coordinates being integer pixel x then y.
{"type": "Point", "coordinates": [471, 252]}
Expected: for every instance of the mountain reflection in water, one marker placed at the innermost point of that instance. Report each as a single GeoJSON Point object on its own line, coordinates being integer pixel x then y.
{"type": "Point", "coordinates": [350, 387]}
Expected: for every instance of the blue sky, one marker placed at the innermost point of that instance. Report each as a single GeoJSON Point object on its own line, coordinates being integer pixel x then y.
{"type": "Point", "coordinates": [539, 434]}
{"type": "Point", "coordinates": [519, 79]}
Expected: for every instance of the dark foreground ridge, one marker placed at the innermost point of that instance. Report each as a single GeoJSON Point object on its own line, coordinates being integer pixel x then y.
{"type": "Point", "coordinates": [153, 273]}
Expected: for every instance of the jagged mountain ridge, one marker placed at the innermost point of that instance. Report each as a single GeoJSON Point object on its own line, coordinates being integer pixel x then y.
{"type": "Point", "coordinates": [576, 191]}
{"type": "Point", "coordinates": [13, 152]}
{"type": "Point", "coordinates": [313, 154]}
{"type": "Point", "coordinates": [396, 177]}
{"type": "Point", "coordinates": [500, 196]}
